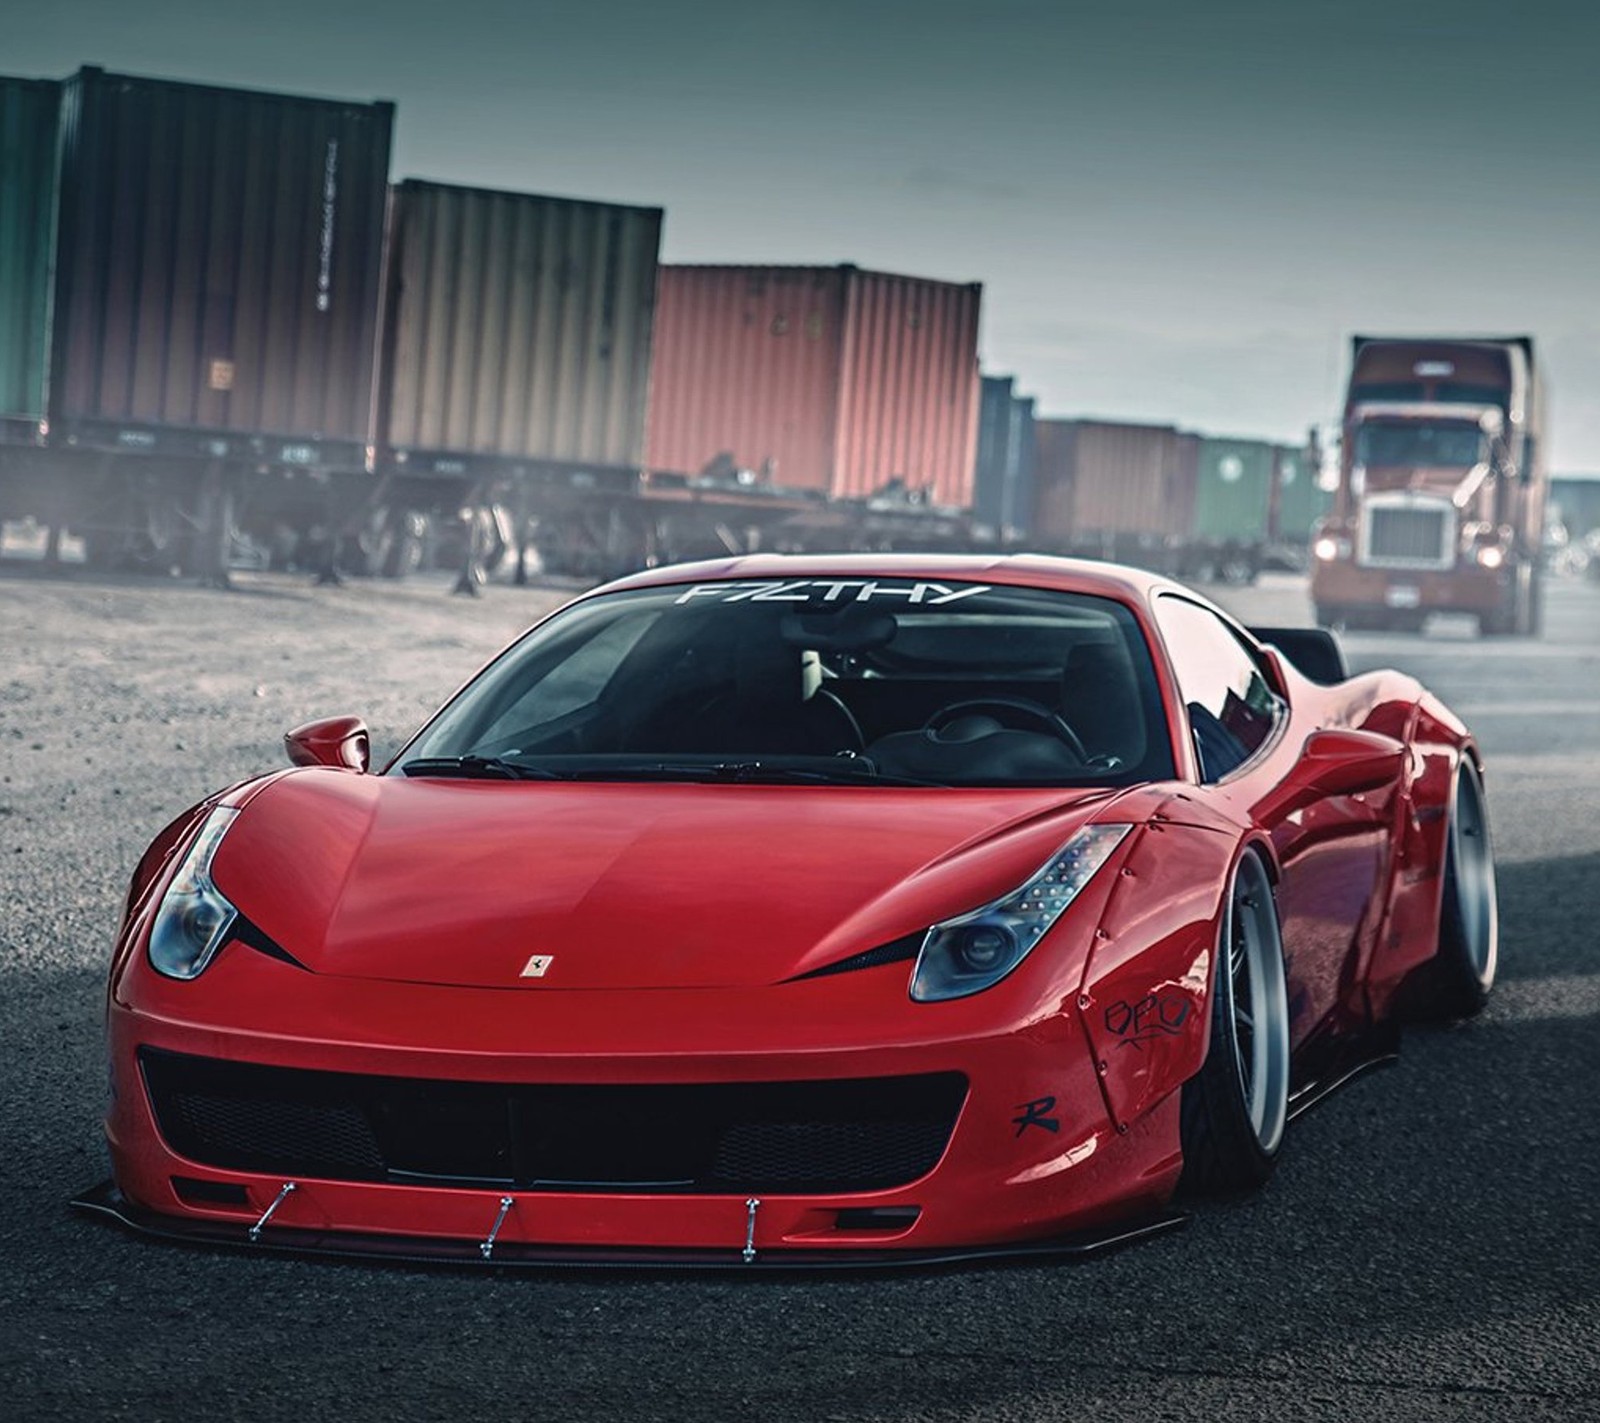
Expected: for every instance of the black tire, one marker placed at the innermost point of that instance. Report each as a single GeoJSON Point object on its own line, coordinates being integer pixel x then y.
{"type": "Point", "coordinates": [1458, 980]}
{"type": "Point", "coordinates": [1235, 1108]}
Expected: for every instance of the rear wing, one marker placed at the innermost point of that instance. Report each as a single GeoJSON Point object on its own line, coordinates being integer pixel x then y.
{"type": "Point", "coordinates": [1313, 652]}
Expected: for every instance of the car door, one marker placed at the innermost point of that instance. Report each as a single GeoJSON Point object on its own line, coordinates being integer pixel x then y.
{"type": "Point", "coordinates": [1332, 847]}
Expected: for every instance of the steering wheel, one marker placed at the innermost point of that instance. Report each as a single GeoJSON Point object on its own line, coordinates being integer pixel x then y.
{"type": "Point", "coordinates": [1040, 715]}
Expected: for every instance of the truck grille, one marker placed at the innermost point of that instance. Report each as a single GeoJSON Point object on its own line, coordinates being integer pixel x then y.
{"type": "Point", "coordinates": [1415, 534]}
{"type": "Point", "coordinates": [860, 1134]}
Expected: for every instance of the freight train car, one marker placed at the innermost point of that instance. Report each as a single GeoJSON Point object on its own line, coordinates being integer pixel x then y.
{"type": "Point", "coordinates": [1106, 489]}
{"type": "Point", "coordinates": [516, 360]}
{"type": "Point", "coordinates": [1255, 504]}
{"type": "Point", "coordinates": [1192, 505]}
{"type": "Point", "coordinates": [28, 111]}
{"type": "Point", "coordinates": [827, 379]}
{"type": "Point", "coordinates": [1300, 501]}
{"type": "Point", "coordinates": [1002, 486]}
{"type": "Point", "coordinates": [212, 313]}
{"type": "Point", "coordinates": [28, 171]}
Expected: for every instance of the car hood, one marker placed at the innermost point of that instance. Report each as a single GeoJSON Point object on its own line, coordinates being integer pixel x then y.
{"type": "Point", "coordinates": [642, 886]}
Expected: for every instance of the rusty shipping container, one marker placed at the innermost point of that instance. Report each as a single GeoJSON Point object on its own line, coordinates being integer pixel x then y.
{"type": "Point", "coordinates": [518, 330]}
{"type": "Point", "coordinates": [823, 378]}
{"type": "Point", "coordinates": [27, 231]}
{"type": "Point", "coordinates": [218, 271]}
{"type": "Point", "coordinates": [1098, 479]}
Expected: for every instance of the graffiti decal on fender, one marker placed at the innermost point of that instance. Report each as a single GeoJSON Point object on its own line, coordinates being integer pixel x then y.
{"type": "Point", "coordinates": [1143, 1020]}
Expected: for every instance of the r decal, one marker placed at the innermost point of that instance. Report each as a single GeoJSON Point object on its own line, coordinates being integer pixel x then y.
{"type": "Point", "coordinates": [1036, 1114]}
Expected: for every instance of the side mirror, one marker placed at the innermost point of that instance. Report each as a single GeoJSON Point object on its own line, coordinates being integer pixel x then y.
{"type": "Point", "coordinates": [1339, 763]}
{"type": "Point", "coordinates": [338, 741]}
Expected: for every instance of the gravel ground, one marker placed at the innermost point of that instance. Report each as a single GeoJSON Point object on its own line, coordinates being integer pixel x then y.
{"type": "Point", "coordinates": [1427, 1249]}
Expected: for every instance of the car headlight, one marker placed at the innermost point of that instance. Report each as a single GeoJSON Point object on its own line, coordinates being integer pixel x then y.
{"type": "Point", "coordinates": [967, 955]}
{"type": "Point", "coordinates": [193, 918]}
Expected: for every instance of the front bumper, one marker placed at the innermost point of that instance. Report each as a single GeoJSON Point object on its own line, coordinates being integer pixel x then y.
{"type": "Point", "coordinates": [1061, 1177]}
{"type": "Point", "coordinates": [1340, 584]}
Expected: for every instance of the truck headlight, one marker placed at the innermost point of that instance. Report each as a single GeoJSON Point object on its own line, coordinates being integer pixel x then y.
{"type": "Point", "coordinates": [1490, 555]}
{"type": "Point", "coordinates": [966, 955]}
{"type": "Point", "coordinates": [1327, 548]}
{"type": "Point", "coordinates": [193, 918]}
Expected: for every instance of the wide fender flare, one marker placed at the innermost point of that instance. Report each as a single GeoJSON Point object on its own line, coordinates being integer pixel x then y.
{"type": "Point", "coordinates": [1145, 1004]}
{"type": "Point", "coordinates": [1408, 937]}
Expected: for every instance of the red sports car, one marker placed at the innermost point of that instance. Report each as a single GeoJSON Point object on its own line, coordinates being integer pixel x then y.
{"type": "Point", "coordinates": [806, 911]}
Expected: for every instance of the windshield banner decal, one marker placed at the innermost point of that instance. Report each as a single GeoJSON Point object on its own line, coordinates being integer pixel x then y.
{"type": "Point", "coordinates": [832, 590]}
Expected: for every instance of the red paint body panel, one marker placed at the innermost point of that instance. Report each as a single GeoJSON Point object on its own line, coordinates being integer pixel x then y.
{"type": "Point", "coordinates": [825, 378]}
{"type": "Point", "coordinates": [679, 919]}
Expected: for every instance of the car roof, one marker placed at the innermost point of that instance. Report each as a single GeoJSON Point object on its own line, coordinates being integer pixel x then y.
{"type": "Point", "coordinates": [1076, 575]}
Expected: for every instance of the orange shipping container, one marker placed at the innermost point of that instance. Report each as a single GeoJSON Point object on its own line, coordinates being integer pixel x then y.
{"type": "Point", "coordinates": [827, 378]}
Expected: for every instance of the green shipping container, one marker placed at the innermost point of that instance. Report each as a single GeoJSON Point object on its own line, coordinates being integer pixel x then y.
{"type": "Point", "coordinates": [28, 109]}
{"type": "Point", "coordinates": [1300, 502]}
{"type": "Point", "coordinates": [1233, 494]}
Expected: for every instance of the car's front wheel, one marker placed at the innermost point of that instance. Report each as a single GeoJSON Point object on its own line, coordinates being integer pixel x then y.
{"type": "Point", "coordinates": [1235, 1108]}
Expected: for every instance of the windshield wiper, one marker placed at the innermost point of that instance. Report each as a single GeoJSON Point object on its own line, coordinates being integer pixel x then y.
{"type": "Point", "coordinates": [477, 768]}
{"type": "Point", "coordinates": [845, 772]}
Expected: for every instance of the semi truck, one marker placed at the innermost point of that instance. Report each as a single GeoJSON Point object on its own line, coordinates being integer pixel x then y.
{"type": "Point", "coordinates": [1440, 504]}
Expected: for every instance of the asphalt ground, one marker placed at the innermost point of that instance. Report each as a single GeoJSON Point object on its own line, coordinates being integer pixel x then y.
{"type": "Point", "coordinates": [1428, 1248]}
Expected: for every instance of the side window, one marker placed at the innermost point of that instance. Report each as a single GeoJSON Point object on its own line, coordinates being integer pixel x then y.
{"type": "Point", "coordinates": [1231, 708]}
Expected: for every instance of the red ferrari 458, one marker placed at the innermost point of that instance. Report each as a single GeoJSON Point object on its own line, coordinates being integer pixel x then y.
{"type": "Point", "coordinates": [798, 911]}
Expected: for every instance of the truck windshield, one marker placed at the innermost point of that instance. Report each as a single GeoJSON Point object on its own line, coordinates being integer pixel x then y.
{"type": "Point", "coordinates": [1420, 444]}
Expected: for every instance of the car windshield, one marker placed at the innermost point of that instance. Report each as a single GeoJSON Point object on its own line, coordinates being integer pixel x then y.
{"type": "Point", "coordinates": [1420, 444]}
{"type": "Point", "coordinates": [809, 681]}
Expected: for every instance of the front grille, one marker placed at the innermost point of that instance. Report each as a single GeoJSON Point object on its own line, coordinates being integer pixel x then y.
{"type": "Point", "coordinates": [860, 1134]}
{"type": "Point", "coordinates": [1408, 536]}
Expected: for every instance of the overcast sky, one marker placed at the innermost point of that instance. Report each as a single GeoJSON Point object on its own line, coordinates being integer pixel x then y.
{"type": "Point", "coordinates": [1179, 209]}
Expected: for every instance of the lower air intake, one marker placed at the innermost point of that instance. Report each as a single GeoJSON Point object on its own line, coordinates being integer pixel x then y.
{"type": "Point", "coordinates": [860, 1134]}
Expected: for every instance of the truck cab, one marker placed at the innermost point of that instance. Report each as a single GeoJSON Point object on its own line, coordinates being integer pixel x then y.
{"type": "Point", "coordinates": [1440, 504]}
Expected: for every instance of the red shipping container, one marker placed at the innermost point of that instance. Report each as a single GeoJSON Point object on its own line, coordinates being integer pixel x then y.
{"type": "Point", "coordinates": [1095, 478]}
{"type": "Point", "coordinates": [824, 378]}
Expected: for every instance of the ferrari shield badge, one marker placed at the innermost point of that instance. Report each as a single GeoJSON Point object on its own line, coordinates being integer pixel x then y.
{"type": "Point", "coordinates": [537, 966]}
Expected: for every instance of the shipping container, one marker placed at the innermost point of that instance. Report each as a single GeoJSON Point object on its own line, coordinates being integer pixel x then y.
{"type": "Point", "coordinates": [1105, 483]}
{"type": "Point", "coordinates": [28, 109]}
{"type": "Point", "coordinates": [1301, 501]}
{"type": "Point", "coordinates": [1233, 491]}
{"type": "Point", "coordinates": [218, 271]}
{"type": "Point", "coordinates": [518, 330]}
{"type": "Point", "coordinates": [1002, 486]}
{"type": "Point", "coordinates": [823, 378]}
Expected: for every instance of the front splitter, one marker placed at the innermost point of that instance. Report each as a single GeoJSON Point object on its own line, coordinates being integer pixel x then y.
{"type": "Point", "coordinates": [107, 1203]}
